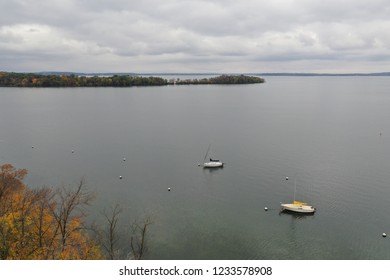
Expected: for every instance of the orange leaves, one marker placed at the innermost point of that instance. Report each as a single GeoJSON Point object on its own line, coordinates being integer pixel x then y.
{"type": "Point", "coordinates": [10, 171]}
{"type": "Point", "coordinates": [30, 225]}
{"type": "Point", "coordinates": [79, 246]}
{"type": "Point", "coordinates": [11, 179]}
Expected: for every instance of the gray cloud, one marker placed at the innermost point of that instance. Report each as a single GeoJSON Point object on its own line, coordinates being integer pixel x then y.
{"type": "Point", "coordinates": [189, 35]}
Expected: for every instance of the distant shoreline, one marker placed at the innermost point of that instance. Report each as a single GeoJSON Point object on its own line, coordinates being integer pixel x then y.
{"type": "Point", "coordinates": [73, 79]}
{"type": "Point", "coordinates": [158, 74]}
{"type": "Point", "coordinates": [33, 80]}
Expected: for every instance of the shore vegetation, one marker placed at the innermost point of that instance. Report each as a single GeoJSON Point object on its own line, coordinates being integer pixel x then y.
{"type": "Point", "coordinates": [10, 79]}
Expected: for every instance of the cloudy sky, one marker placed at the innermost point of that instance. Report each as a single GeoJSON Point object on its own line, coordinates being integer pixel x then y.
{"type": "Point", "coordinates": [195, 36]}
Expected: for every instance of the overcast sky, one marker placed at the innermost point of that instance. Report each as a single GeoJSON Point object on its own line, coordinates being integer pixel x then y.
{"type": "Point", "coordinates": [195, 36]}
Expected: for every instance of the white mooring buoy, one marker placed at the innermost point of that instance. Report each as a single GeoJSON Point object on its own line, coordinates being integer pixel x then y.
{"type": "Point", "coordinates": [265, 208]}
{"type": "Point", "coordinates": [120, 177]}
{"type": "Point", "coordinates": [124, 159]}
{"type": "Point", "coordinates": [286, 178]}
{"type": "Point", "coordinates": [72, 151]}
{"type": "Point", "coordinates": [169, 189]}
{"type": "Point", "coordinates": [384, 234]}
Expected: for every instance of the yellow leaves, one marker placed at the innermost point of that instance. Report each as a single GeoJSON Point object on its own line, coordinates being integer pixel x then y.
{"type": "Point", "coordinates": [29, 225]}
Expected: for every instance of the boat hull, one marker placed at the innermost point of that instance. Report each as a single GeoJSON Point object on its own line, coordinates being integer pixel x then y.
{"type": "Point", "coordinates": [299, 208]}
{"type": "Point", "coordinates": [213, 164]}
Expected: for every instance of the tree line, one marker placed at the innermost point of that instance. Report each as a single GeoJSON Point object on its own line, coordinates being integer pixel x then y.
{"type": "Point", "coordinates": [36, 80]}
{"type": "Point", "coordinates": [222, 80]}
{"type": "Point", "coordinates": [47, 223]}
{"type": "Point", "coordinates": [9, 79]}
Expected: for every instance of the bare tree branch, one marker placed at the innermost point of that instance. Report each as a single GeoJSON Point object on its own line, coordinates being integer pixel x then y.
{"type": "Point", "coordinates": [139, 241]}
{"type": "Point", "coordinates": [111, 236]}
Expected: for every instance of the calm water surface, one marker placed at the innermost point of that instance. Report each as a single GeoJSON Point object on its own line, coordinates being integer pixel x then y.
{"type": "Point", "coordinates": [331, 134]}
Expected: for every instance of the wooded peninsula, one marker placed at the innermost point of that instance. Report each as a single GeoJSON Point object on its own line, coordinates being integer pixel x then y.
{"type": "Point", "coordinates": [10, 79]}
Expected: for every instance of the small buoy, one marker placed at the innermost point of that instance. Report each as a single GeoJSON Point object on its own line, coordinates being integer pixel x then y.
{"type": "Point", "coordinates": [198, 164]}
{"type": "Point", "coordinates": [265, 208]}
{"type": "Point", "coordinates": [120, 177]}
{"type": "Point", "coordinates": [124, 159]}
{"type": "Point", "coordinates": [72, 151]}
{"type": "Point", "coordinates": [384, 234]}
{"type": "Point", "coordinates": [32, 147]}
{"type": "Point", "coordinates": [286, 178]}
{"type": "Point", "coordinates": [169, 189]}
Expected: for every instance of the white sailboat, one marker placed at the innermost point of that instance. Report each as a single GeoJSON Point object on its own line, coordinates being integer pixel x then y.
{"type": "Point", "coordinates": [297, 206]}
{"type": "Point", "coordinates": [212, 163]}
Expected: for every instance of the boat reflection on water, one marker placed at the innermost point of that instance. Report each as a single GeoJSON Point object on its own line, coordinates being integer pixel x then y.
{"type": "Point", "coordinates": [295, 215]}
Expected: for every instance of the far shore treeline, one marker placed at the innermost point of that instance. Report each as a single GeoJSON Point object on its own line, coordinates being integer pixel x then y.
{"type": "Point", "coordinates": [10, 79]}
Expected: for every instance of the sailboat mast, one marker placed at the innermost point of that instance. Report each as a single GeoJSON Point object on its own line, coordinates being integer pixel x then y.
{"type": "Point", "coordinates": [295, 187]}
{"type": "Point", "coordinates": [208, 149]}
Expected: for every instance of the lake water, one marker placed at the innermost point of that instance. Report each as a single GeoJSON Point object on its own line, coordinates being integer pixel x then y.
{"type": "Point", "coordinates": [329, 134]}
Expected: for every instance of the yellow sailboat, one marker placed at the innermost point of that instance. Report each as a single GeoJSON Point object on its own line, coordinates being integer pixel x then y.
{"type": "Point", "coordinates": [297, 206]}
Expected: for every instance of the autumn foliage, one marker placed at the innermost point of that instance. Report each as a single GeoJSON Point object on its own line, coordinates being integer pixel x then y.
{"type": "Point", "coordinates": [43, 223]}
{"type": "Point", "coordinates": [8, 79]}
